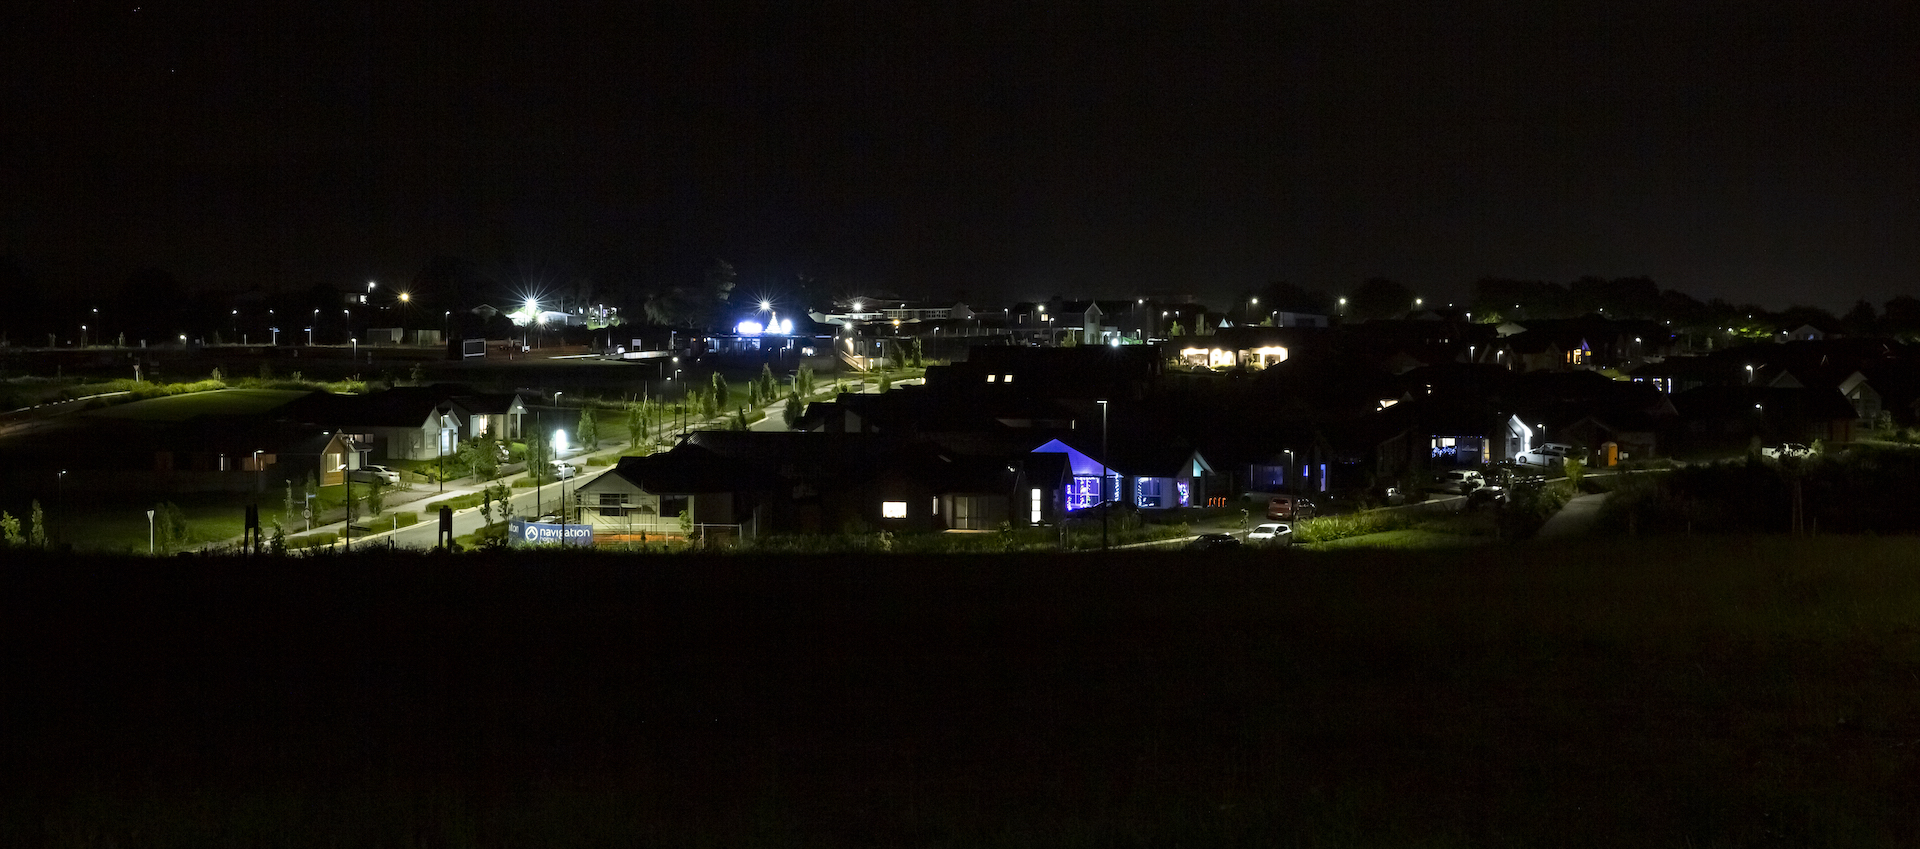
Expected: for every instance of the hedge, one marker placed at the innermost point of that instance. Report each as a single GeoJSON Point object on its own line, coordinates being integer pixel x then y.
{"type": "Point", "coordinates": [312, 540]}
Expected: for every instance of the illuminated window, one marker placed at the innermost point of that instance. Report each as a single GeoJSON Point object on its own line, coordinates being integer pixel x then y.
{"type": "Point", "coordinates": [1007, 379]}
{"type": "Point", "coordinates": [990, 378]}
{"type": "Point", "coordinates": [1033, 501]}
{"type": "Point", "coordinates": [893, 509]}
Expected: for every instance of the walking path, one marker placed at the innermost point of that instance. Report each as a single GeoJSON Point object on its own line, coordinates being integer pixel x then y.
{"type": "Point", "coordinates": [1574, 520]}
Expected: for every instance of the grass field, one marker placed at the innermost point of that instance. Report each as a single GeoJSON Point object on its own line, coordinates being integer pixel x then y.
{"type": "Point", "coordinates": [180, 408]}
{"type": "Point", "coordinates": [1705, 692]}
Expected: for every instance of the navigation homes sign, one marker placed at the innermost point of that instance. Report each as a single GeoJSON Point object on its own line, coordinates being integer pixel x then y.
{"type": "Point", "coordinates": [522, 532]}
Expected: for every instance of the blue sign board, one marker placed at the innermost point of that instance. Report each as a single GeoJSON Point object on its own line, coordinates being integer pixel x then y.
{"type": "Point", "coordinates": [523, 532]}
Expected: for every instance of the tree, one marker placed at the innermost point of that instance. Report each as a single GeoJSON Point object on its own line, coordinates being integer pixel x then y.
{"type": "Point", "coordinates": [37, 527]}
{"type": "Point", "coordinates": [10, 530]}
{"type": "Point", "coordinates": [1859, 321]}
{"type": "Point", "coordinates": [740, 419]}
{"type": "Point", "coordinates": [803, 379]}
{"type": "Point", "coordinates": [588, 431]}
{"type": "Point", "coordinates": [794, 410]}
{"type": "Point", "coordinates": [286, 506]}
{"type": "Point", "coordinates": [376, 497]}
{"type": "Point", "coordinates": [636, 423]}
{"type": "Point", "coordinates": [1380, 298]}
{"type": "Point", "coordinates": [1175, 329]}
{"type": "Point", "coordinates": [1281, 296]}
{"type": "Point", "coordinates": [917, 357]}
{"type": "Point", "coordinates": [722, 395]}
{"type": "Point", "coordinates": [886, 381]}
{"type": "Point", "coordinates": [170, 528]}
{"type": "Point", "coordinates": [539, 456]}
{"type": "Point", "coordinates": [1900, 317]}
{"type": "Point", "coordinates": [769, 388]}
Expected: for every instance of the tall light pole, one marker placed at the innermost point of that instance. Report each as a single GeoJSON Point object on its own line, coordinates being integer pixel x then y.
{"type": "Point", "coordinates": [149, 533]}
{"type": "Point", "coordinates": [1105, 508]}
{"type": "Point", "coordinates": [260, 475]}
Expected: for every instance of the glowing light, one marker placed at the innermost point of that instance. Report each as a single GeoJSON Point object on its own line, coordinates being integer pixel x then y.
{"type": "Point", "coordinates": [559, 440]}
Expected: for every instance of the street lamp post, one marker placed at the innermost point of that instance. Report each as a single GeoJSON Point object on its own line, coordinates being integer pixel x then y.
{"type": "Point", "coordinates": [1105, 508]}
{"type": "Point", "coordinates": [260, 476]}
{"type": "Point", "coordinates": [149, 533]}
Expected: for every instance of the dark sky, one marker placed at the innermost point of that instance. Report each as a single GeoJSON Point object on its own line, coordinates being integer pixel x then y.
{"type": "Point", "coordinates": [1751, 151]}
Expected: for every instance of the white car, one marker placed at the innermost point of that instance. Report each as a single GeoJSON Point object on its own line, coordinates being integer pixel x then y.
{"type": "Point", "coordinates": [1462, 480]}
{"type": "Point", "coordinates": [379, 473]}
{"type": "Point", "coordinates": [1790, 449]}
{"type": "Point", "coordinates": [1271, 533]}
{"type": "Point", "coordinates": [563, 470]}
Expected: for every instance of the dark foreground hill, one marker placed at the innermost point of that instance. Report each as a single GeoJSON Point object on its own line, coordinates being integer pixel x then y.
{"type": "Point", "coordinates": [1707, 692]}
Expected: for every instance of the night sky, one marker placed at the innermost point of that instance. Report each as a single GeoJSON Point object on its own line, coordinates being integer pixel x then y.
{"type": "Point", "coordinates": [1755, 152]}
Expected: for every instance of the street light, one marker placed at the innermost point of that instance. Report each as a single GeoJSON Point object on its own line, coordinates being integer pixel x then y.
{"type": "Point", "coordinates": [260, 479]}
{"type": "Point", "coordinates": [1105, 508]}
{"type": "Point", "coordinates": [149, 533]}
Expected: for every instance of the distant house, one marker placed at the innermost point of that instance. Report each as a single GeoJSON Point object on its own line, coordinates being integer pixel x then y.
{"type": "Point", "coordinates": [799, 482]}
{"type": "Point", "coordinates": [1865, 399]}
{"type": "Point", "coordinates": [1730, 416]}
{"type": "Point", "coordinates": [497, 415]}
{"type": "Point", "coordinates": [1142, 477]}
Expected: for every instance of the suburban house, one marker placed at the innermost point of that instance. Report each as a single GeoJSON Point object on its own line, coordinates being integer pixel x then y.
{"type": "Point", "coordinates": [1143, 477]}
{"type": "Point", "coordinates": [799, 482]}
{"type": "Point", "coordinates": [497, 414]}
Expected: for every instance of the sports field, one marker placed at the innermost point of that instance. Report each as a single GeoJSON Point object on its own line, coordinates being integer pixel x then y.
{"type": "Point", "coordinates": [180, 408]}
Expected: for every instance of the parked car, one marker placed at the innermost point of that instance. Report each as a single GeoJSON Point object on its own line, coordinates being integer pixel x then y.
{"type": "Point", "coordinates": [1271, 533]}
{"type": "Point", "coordinates": [1462, 480]}
{"type": "Point", "coordinates": [1213, 542]}
{"type": "Point", "coordinates": [1549, 454]}
{"type": "Point", "coordinates": [1486, 495]}
{"type": "Point", "coordinates": [369, 474]}
{"type": "Point", "coordinates": [563, 469]}
{"type": "Point", "coordinates": [1287, 508]}
{"type": "Point", "coordinates": [1787, 449]}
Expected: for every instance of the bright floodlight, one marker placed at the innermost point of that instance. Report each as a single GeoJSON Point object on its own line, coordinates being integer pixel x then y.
{"type": "Point", "coordinates": [404, 297]}
{"type": "Point", "coordinates": [560, 440]}
{"type": "Point", "coordinates": [765, 305]}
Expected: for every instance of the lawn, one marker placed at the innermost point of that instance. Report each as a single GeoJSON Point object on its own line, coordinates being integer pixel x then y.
{"type": "Point", "coordinates": [1728, 691]}
{"type": "Point", "coordinates": [180, 408]}
{"type": "Point", "coordinates": [1410, 538]}
{"type": "Point", "coordinates": [121, 525]}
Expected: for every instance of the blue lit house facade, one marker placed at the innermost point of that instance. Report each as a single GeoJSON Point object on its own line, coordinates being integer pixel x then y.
{"type": "Point", "coordinates": [1161, 479]}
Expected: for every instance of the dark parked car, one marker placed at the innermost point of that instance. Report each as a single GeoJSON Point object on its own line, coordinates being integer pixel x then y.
{"type": "Point", "coordinates": [1213, 542]}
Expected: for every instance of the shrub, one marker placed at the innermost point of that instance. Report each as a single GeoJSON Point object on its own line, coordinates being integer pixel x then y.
{"type": "Point", "coordinates": [1330, 528]}
{"type": "Point", "coordinates": [407, 518]}
{"type": "Point", "coordinates": [458, 502]}
{"type": "Point", "coordinates": [312, 540]}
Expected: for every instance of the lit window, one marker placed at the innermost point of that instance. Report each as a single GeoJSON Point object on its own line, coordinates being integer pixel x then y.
{"type": "Point", "coordinates": [1007, 379]}
{"type": "Point", "coordinates": [1034, 509]}
{"type": "Point", "coordinates": [990, 378]}
{"type": "Point", "coordinates": [893, 509]}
